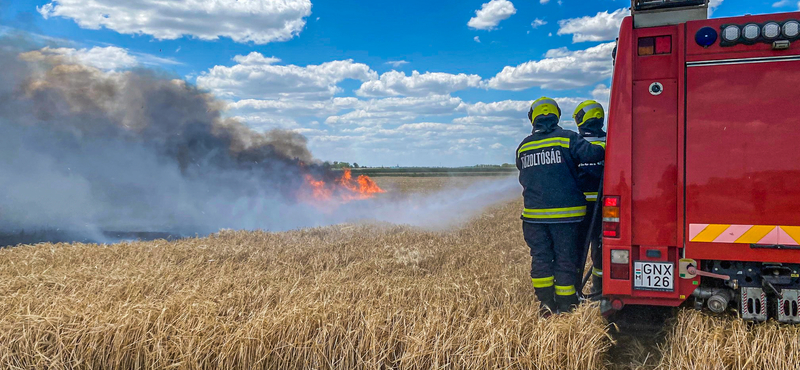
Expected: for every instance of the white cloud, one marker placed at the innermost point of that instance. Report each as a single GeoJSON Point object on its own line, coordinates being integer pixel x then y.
{"type": "Point", "coordinates": [544, 1]}
{"type": "Point", "coordinates": [504, 108]}
{"type": "Point", "coordinates": [782, 3]}
{"type": "Point", "coordinates": [713, 5]}
{"type": "Point", "coordinates": [513, 114]}
{"type": "Point", "coordinates": [603, 26]}
{"type": "Point", "coordinates": [538, 23]}
{"type": "Point", "coordinates": [477, 39]}
{"type": "Point", "coordinates": [293, 108]}
{"type": "Point", "coordinates": [602, 94]}
{"type": "Point", "coordinates": [255, 58]}
{"type": "Point", "coordinates": [260, 77]}
{"type": "Point", "coordinates": [497, 146]}
{"type": "Point", "coordinates": [516, 108]}
{"type": "Point", "coordinates": [560, 69]}
{"type": "Point", "coordinates": [257, 21]}
{"type": "Point", "coordinates": [396, 83]}
{"type": "Point", "coordinates": [491, 14]}
{"type": "Point", "coordinates": [106, 58]}
{"type": "Point", "coordinates": [397, 63]}
{"type": "Point", "coordinates": [398, 110]}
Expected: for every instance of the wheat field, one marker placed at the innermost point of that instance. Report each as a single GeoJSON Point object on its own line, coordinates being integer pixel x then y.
{"type": "Point", "coordinates": [355, 296]}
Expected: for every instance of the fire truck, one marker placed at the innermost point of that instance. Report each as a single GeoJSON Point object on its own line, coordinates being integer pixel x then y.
{"type": "Point", "coordinates": [701, 189]}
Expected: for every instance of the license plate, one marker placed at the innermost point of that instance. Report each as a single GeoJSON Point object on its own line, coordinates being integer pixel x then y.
{"type": "Point", "coordinates": [654, 276]}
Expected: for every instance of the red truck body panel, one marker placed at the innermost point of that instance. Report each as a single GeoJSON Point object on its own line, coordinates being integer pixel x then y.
{"type": "Point", "coordinates": [717, 147]}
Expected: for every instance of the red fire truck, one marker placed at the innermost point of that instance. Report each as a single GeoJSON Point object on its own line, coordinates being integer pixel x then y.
{"type": "Point", "coordinates": [702, 179]}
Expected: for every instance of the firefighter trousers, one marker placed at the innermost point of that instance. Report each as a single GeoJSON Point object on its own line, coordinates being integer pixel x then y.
{"type": "Point", "coordinates": [553, 252]}
{"type": "Point", "coordinates": [596, 247]}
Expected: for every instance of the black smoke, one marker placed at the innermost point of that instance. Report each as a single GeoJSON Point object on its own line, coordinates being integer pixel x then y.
{"type": "Point", "coordinates": [89, 150]}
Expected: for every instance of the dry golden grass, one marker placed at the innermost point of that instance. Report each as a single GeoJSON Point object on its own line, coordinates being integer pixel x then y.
{"type": "Point", "coordinates": [702, 341]}
{"type": "Point", "coordinates": [341, 297]}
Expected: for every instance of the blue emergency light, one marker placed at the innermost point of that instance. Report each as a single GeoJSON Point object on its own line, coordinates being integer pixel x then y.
{"type": "Point", "coordinates": [706, 37]}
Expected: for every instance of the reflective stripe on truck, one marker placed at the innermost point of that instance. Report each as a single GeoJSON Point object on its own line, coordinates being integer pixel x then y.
{"type": "Point", "coordinates": [744, 234]}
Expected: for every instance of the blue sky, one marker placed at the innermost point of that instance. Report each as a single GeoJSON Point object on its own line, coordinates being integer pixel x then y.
{"type": "Point", "coordinates": [343, 72]}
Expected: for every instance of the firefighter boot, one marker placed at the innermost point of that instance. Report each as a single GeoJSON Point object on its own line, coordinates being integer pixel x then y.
{"type": "Point", "coordinates": [566, 303]}
{"type": "Point", "coordinates": [597, 287]}
{"type": "Point", "coordinates": [547, 302]}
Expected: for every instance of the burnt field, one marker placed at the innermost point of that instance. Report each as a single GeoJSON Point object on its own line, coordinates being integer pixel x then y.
{"type": "Point", "coordinates": [350, 296]}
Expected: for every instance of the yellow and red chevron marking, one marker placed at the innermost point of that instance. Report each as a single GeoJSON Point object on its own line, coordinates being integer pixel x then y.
{"type": "Point", "coordinates": [744, 234]}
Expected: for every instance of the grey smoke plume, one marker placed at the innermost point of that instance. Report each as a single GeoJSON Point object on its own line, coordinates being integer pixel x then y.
{"type": "Point", "coordinates": [87, 150]}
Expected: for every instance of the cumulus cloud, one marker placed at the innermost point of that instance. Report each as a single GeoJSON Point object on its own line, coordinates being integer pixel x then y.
{"type": "Point", "coordinates": [714, 4]}
{"type": "Point", "coordinates": [603, 26]}
{"type": "Point", "coordinates": [509, 118]}
{"type": "Point", "coordinates": [506, 108]}
{"type": "Point", "coordinates": [397, 63]}
{"type": "Point", "coordinates": [477, 39]}
{"type": "Point", "coordinates": [396, 83]}
{"type": "Point", "coordinates": [257, 21]}
{"type": "Point", "coordinates": [491, 14]}
{"type": "Point", "coordinates": [514, 109]}
{"type": "Point", "coordinates": [560, 69]}
{"type": "Point", "coordinates": [602, 94]}
{"type": "Point", "coordinates": [106, 58]}
{"type": "Point", "coordinates": [538, 23]}
{"type": "Point", "coordinates": [258, 77]}
{"type": "Point", "coordinates": [291, 108]}
{"type": "Point", "coordinates": [397, 110]}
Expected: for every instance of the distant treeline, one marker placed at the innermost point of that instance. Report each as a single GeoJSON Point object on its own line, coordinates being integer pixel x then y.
{"type": "Point", "coordinates": [483, 170]}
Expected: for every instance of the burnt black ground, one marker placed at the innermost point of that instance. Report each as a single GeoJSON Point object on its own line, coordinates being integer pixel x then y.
{"type": "Point", "coordinates": [638, 332]}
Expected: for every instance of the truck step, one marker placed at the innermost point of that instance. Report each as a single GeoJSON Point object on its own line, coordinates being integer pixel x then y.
{"type": "Point", "coordinates": [788, 310]}
{"type": "Point", "coordinates": [754, 304]}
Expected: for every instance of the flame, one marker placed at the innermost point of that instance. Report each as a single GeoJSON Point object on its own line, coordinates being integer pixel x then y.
{"type": "Point", "coordinates": [318, 189]}
{"type": "Point", "coordinates": [344, 188]}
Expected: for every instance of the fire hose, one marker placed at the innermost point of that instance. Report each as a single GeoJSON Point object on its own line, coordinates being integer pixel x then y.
{"type": "Point", "coordinates": [597, 215]}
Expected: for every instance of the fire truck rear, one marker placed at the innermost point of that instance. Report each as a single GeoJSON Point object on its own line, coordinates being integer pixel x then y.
{"type": "Point", "coordinates": [702, 178]}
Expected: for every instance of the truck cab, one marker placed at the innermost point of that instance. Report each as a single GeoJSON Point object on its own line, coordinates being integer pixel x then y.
{"type": "Point", "coordinates": [701, 202]}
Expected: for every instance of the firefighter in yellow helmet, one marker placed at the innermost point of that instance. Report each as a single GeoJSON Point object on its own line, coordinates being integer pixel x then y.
{"type": "Point", "coordinates": [590, 116]}
{"type": "Point", "coordinates": [548, 162]}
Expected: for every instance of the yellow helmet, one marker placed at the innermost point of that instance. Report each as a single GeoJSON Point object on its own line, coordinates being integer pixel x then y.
{"type": "Point", "coordinates": [542, 107]}
{"type": "Point", "coordinates": [588, 110]}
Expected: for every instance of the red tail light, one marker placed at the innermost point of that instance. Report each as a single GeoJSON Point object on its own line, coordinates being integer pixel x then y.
{"type": "Point", "coordinates": [611, 214]}
{"type": "Point", "coordinates": [611, 229]}
{"type": "Point", "coordinates": [620, 272]}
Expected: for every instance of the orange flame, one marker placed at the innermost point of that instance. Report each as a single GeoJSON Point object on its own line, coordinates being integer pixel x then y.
{"type": "Point", "coordinates": [345, 188]}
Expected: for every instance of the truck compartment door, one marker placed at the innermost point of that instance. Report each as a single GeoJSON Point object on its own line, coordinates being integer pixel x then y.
{"type": "Point", "coordinates": [743, 160]}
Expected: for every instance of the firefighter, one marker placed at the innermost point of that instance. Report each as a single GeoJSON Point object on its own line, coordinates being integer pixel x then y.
{"type": "Point", "coordinates": [554, 204]}
{"type": "Point", "coordinates": [589, 116]}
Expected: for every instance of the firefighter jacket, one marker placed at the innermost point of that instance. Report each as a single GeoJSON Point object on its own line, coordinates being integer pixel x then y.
{"type": "Point", "coordinates": [548, 172]}
{"type": "Point", "coordinates": [590, 174]}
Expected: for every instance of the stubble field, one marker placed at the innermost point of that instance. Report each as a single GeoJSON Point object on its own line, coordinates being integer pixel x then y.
{"type": "Point", "coordinates": [355, 296]}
